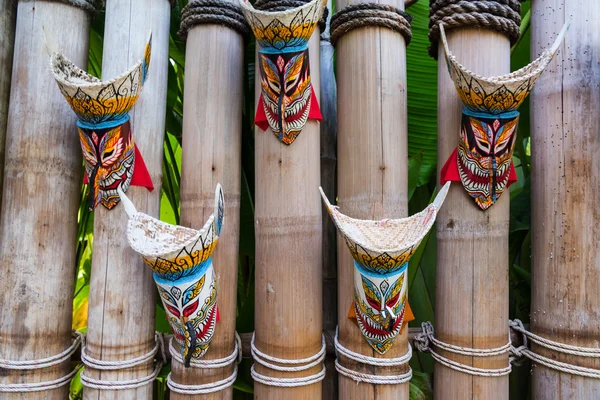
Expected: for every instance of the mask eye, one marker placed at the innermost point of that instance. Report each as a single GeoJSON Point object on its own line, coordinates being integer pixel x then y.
{"type": "Point", "coordinates": [173, 310]}
{"type": "Point", "coordinates": [189, 310]}
{"type": "Point", "coordinates": [392, 302]}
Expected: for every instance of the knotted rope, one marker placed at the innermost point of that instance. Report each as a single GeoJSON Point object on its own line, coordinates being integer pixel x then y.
{"type": "Point", "coordinates": [283, 5]}
{"type": "Point", "coordinates": [370, 14]}
{"type": "Point", "coordinates": [288, 366]}
{"type": "Point", "coordinates": [234, 358]}
{"type": "Point", "coordinates": [103, 365]}
{"type": "Point", "coordinates": [219, 12]}
{"type": "Point", "coordinates": [426, 341]}
{"type": "Point", "coordinates": [39, 364]}
{"type": "Point", "coordinates": [500, 15]}
{"type": "Point", "coordinates": [524, 351]}
{"type": "Point", "coordinates": [377, 362]}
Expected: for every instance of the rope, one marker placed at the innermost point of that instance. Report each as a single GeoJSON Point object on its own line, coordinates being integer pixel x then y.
{"type": "Point", "coordinates": [202, 389]}
{"type": "Point", "coordinates": [77, 339]}
{"type": "Point", "coordinates": [500, 15]}
{"type": "Point", "coordinates": [219, 12]}
{"type": "Point", "coordinates": [38, 386]}
{"type": "Point", "coordinates": [236, 355]}
{"type": "Point", "coordinates": [523, 351]}
{"type": "Point", "coordinates": [425, 341]}
{"type": "Point", "coordinates": [288, 366]}
{"type": "Point", "coordinates": [312, 361]}
{"type": "Point", "coordinates": [120, 365]}
{"type": "Point", "coordinates": [283, 5]}
{"type": "Point", "coordinates": [287, 382]}
{"type": "Point", "coordinates": [375, 379]}
{"type": "Point", "coordinates": [377, 362]}
{"type": "Point", "coordinates": [370, 14]}
{"type": "Point", "coordinates": [86, 5]}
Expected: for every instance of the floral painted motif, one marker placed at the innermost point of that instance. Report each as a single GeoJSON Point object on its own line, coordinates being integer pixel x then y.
{"type": "Point", "coordinates": [181, 259]}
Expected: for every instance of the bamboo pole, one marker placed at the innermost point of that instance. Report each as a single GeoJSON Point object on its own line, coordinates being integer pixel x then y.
{"type": "Point", "coordinates": [328, 180]}
{"type": "Point", "coordinates": [372, 172]}
{"type": "Point", "coordinates": [288, 303]}
{"type": "Point", "coordinates": [121, 301]}
{"type": "Point", "coordinates": [471, 307]}
{"type": "Point", "coordinates": [8, 20]}
{"type": "Point", "coordinates": [38, 222]}
{"type": "Point", "coordinates": [212, 123]}
{"type": "Point", "coordinates": [565, 122]}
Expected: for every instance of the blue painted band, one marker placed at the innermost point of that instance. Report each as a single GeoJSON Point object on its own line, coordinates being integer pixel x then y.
{"type": "Point", "coordinates": [196, 273]}
{"type": "Point", "coordinates": [104, 125]}
{"type": "Point", "coordinates": [506, 115]}
{"type": "Point", "coordinates": [367, 272]}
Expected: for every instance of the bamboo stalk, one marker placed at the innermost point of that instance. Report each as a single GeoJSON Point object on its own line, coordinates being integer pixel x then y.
{"type": "Point", "coordinates": [288, 303]}
{"type": "Point", "coordinates": [565, 133]}
{"type": "Point", "coordinates": [122, 301]}
{"type": "Point", "coordinates": [472, 245]}
{"type": "Point", "coordinates": [328, 180]}
{"type": "Point", "coordinates": [8, 20]}
{"type": "Point", "coordinates": [212, 123]}
{"type": "Point", "coordinates": [42, 181]}
{"type": "Point", "coordinates": [372, 172]}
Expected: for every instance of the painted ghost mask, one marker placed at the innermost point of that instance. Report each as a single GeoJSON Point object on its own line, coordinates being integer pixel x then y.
{"type": "Point", "coordinates": [381, 251]}
{"type": "Point", "coordinates": [483, 159]}
{"type": "Point", "coordinates": [181, 259]}
{"type": "Point", "coordinates": [287, 97]}
{"type": "Point", "coordinates": [111, 157]}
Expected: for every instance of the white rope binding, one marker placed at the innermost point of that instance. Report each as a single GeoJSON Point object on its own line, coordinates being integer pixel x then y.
{"type": "Point", "coordinates": [39, 364]}
{"type": "Point", "coordinates": [302, 364]}
{"type": "Point", "coordinates": [523, 351]}
{"type": "Point", "coordinates": [425, 341]}
{"type": "Point", "coordinates": [234, 358]}
{"type": "Point", "coordinates": [377, 362]}
{"type": "Point", "coordinates": [102, 365]}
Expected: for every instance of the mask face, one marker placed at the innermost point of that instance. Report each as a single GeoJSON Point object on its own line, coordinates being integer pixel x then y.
{"type": "Point", "coordinates": [485, 154]}
{"type": "Point", "coordinates": [109, 158]}
{"type": "Point", "coordinates": [191, 307]}
{"type": "Point", "coordinates": [286, 92]}
{"type": "Point", "coordinates": [379, 303]}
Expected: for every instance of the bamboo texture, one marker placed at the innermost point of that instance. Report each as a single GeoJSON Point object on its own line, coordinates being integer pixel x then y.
{"type": "Point", "coordinates": [565, 173]}
{"type": "Point", "coordinates": [472, 245]}
{"type": "Point", "coordinates": [212, 123]}
{"type": "Point", "coordinates": [328, 132]}
{"type": "Point", "coordinates": [372, 173]}
{"type": "Point", "coordinates": [121, 300]}
{"type": "Point", "coordinates": [8, 20]}
{"type": "Point", "coordinates": [288, 226]}
{"type": "Point", "coordinates": [42, 181]}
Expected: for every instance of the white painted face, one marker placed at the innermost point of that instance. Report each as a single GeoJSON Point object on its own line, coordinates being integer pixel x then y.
{"type": "Point", "coordinates": [191, 306]}
{"type": "Point", "coordinates": [379, 303]}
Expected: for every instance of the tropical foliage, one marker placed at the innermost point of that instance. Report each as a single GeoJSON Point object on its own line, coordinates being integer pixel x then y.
{"type": "Point", "coordinates": [422, 122]}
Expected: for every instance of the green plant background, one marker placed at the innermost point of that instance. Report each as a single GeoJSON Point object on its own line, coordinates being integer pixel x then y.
{"type": "Point", "coordinates": [422, 139]}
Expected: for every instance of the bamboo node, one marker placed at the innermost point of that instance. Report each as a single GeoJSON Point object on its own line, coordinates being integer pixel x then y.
{"type": "Point", "coordinates": [370, 14]}
{"type": "Point", "coordinates": [503, 16]}
{"type": "Point", "coordinates": [359, 377]}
